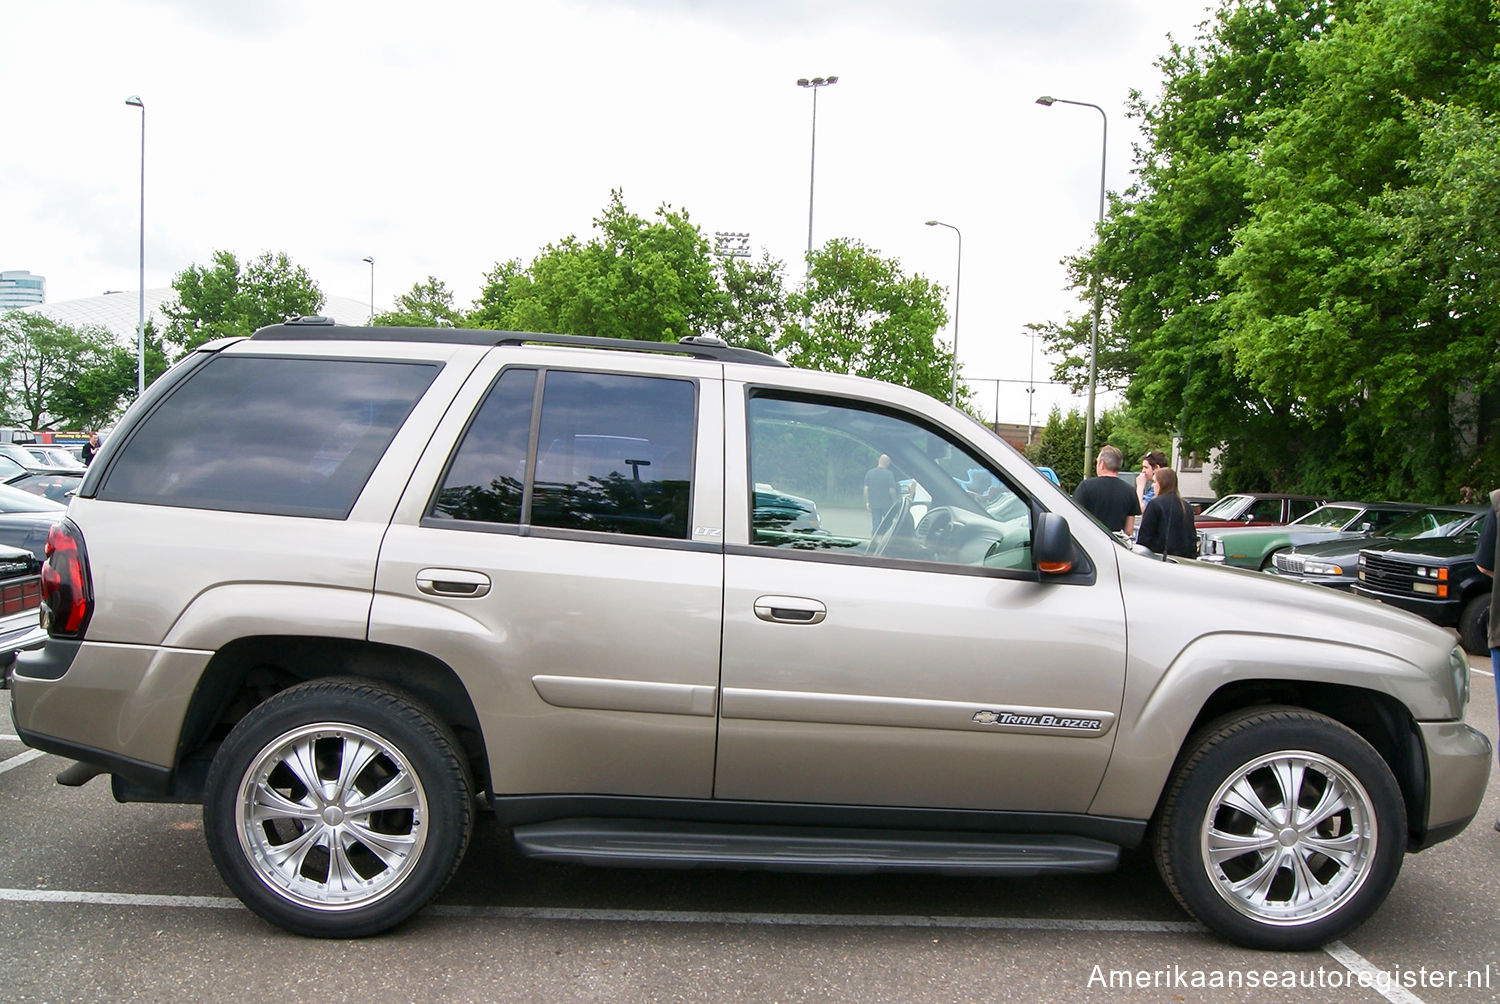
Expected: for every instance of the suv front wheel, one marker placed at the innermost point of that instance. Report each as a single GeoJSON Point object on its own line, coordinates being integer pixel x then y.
{"type": "Point", "coordinates": [1280, 829]}
{"type": "Point", "coordinates": [337, 808]}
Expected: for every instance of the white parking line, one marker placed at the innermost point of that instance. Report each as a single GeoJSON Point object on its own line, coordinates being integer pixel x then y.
{"type": "Point", "coordinates": [19, 759]}
{"type": "Point", "coordinates": [7, 735]}
{"type": "Point", "coordinates": [1340, 952]}
{"type": "Point", "coordinates": [1357, 964]}
{"type": "Point", "coordinates": [1481, 672]}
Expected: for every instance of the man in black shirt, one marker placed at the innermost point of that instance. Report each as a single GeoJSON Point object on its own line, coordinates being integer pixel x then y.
{"type": "Point", "coordinates": [880, 491]}
{"type": "Point", "coordinates": [1110, 499]}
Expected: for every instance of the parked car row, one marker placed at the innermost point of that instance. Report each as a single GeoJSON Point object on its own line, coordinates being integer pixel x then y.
{"type": "Point", "coordinates": [1419, 558]}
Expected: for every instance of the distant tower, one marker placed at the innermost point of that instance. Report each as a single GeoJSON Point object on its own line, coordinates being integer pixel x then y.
{"type": "Point", "coordinates": [19, 288]}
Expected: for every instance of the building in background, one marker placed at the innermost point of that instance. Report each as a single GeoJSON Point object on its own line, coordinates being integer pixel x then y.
{"type": "Point", "coordinates": [118, 312]}
{"type": "Point", "coordinates": [19, 288]}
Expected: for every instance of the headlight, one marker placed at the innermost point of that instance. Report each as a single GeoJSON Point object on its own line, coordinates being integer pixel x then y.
{"type": "Point", "coordinates": [1458, 663]}
{"type": "Point", "coordinates": [1322, 568]}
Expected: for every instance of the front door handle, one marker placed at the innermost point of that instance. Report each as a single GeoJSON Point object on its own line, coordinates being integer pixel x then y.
{"type": "Point", "coordinates": [790, 610]}
{"type": "Point", "coordinates": [457, 582]}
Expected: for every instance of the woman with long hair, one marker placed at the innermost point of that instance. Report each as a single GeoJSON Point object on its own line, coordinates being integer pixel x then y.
{"type": "Point", "coordinates": [1167, 523]}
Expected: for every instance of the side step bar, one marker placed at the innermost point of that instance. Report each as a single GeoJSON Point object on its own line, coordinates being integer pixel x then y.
{"type": "Point", "coordinates": [632, 843]}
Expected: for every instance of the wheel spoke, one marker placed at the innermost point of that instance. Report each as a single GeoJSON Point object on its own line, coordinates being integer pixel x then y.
{"type": "Point", "coordinates": [270, 804]}
{"type": "Point", "coordinates": [1335, 800]}
{"type": "Point", "coordinates": [1290, 774]}
{"type": "Point", "coordinates": [1224, 846]}
{"type": "Point", "coordinates": [1306, 888]}
{"type": "Point", "coordinates": [1244, 797]}
{"type": "Point", "coordinates": [1344, 850]}
{"type": "Point", "coordinates": [301, 760]}
{"type": "Point", "coordinates": [289, 857]}
{"type": "Point", "coordinates": [400, 792]}
{"type": "Point", "coordinates": [1256, 886]}
{"type": "Point", "coordinates": [341, 874]}
{"type": "Point", "coordinates": [357, 754]}
{"type": "Point", "coordinates": [393, 849]}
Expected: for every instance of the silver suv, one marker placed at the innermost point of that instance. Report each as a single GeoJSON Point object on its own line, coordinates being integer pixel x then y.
{"type": "Point", "coordinates": [655, 604]}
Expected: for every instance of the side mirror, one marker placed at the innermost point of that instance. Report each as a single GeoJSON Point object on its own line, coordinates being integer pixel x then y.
{"type": "Point", "coordinates": [1052, 545]}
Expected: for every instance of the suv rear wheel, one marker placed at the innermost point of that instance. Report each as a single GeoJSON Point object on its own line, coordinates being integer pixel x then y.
{"type": "Point", "coordinates": [1280, 829]}
{"type": "Point", "coordinates": [337, 808]}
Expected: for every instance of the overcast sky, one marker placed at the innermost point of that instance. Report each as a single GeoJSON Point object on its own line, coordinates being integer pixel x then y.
{"type": "Point", "coordinates": [443, 137]}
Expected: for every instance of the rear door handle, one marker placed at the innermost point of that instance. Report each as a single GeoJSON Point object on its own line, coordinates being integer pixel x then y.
{"type": "Point", "coordinates": [790, 610]}
{"type": "Point", "coordinates": [458, 582]}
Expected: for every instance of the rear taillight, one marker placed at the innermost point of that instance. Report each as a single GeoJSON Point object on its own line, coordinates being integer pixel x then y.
{"type": "Point", "coordinates": [67, 592]}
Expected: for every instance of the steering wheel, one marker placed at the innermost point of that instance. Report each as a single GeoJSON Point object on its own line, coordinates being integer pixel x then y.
{"type": "Point", "coordinates": [935, 529]}
{"type": "Point", "coordinates": [890, 523]}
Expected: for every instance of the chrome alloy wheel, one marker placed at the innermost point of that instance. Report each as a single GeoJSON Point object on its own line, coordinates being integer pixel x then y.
{"type": "Point", "coordinates": [1289, 838]}
{"type": "Point", "coordinates": [331, 816]}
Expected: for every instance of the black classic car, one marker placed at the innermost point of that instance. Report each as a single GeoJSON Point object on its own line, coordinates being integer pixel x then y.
{"type": "Point", "coordinates": [1434, 577]}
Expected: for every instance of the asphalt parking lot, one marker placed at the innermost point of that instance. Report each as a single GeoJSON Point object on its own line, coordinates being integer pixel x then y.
{"type": "Point", "coordinates": [102, 901]}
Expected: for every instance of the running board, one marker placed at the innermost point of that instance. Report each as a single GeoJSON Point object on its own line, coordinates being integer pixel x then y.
{"type": "Point", "coordinates": [632, 843]}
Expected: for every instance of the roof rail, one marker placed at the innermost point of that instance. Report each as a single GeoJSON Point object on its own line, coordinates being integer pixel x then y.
{"type": "Point", "coordinates": [301, 329]}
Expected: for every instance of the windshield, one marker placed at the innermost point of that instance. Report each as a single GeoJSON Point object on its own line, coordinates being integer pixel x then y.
{"type": "Point", "coordinates": [1332, 516]}
{"type": "Point", "coordinates": [1225, 508]}
{"type": "Point", "coordinates": [1429, 523]}
{"type": "Point", "coordinates": [15, 500]}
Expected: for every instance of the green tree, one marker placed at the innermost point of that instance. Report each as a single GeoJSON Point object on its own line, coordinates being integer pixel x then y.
{"type": "Point", "coordinates": [638, 278]}
{"type": "Point", "coordinates": [753, 309]}
{"type": "Point", "coordinates": [859, 313]}
{"type": "Point", "coordinates": [44, 363]}
{"type": "Point", "coordinates": [99, 394]}
{"type": "Point", "coordinates": [228, 299]}
{"type": "Point", "coordinates": [428, 305]}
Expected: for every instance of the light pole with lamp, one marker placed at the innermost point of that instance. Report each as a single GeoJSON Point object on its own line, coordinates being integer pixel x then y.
{"type": "Point", "coordinates": [957, 291]}
{"type": "Point", "coordinates": [1088, 425]}
{"type": "Point", "coordinates": [371, 260]}
{"type": "Point", "coordinates": [812, 174]}
{"type": "Point", "coordinates": [134, 101]}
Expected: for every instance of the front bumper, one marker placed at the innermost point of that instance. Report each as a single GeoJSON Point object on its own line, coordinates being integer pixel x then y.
{"type": "Point", "coordinates": [1343, 582]}
{"type": "Point", "coordinates": [1442, 612]}
{"type": "Point", "coordinates": [1458, 769]}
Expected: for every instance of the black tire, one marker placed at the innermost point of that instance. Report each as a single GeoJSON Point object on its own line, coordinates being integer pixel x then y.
{"type": "Point", "coordinates": [1474, 625]}
{"type": "Point", "coordinates": [312, 858]}
{"type": "Point", "coordinates": [1248, 892]}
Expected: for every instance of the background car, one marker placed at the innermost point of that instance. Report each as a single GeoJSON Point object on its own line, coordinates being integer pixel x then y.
{"type": "Point", "coordinates": [48, 455]}
{"type": "Point", "coordinates": [1335, 563]}
{"type": "Point", "coordinates": [1256, 509]}
{"type": "Point", "coordinates": [1253, 547]}
{"type": "Point", "coordinates": [53, 483]}
{"type": "Point", "coordinates": [25, 519]}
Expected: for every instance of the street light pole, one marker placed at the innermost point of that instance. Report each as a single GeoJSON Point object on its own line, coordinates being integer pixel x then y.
{"type": "Point", "coordinates": [371, 260]}
{"type": "Point", "coordinates": [1088, 427]}
{"type": "Point", "coordinates": [134, 101]}
{"type": "Point", "coordinates": [812, 174]}
{"type": "Point", "coordinates": [957, 292]}
{"type": "Point", "coordinates": [1031, 386]}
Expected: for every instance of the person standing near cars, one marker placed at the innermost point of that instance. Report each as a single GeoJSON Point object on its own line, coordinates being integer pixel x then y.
{"type": "Point", "coordinates": [90, 448]}
{"type": "Point", "coordinates": [1487, 557]}
{"type": "Point", "coordinates": [1111, 500]}
{"type": "Point", "coordinates": [1145, 487]}
{"type": "Point", "coordinates": [880, 491]}
{"type": "Point", "coordinates": [1167, 523]}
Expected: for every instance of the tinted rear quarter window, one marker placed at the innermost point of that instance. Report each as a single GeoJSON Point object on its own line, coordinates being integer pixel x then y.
{"type": "Point", "coordinates": [268, 434]}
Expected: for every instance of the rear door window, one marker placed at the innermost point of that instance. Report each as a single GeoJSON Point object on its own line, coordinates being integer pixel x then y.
{"type": "Point", "coordinates": [612, 453]}
{"type": "Point", "coordinates": [268, 434]}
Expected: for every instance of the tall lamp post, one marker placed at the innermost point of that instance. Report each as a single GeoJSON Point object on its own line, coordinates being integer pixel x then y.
{"type": "Point", "coordinates": [1032, 334]}
{"type": "Point", "coordinates": [813, 85]}
{"type": "Point", "coordinates": [134, 101]}
{"type": "Point", "coordinates": [371, 260]}
{"type": "Point", "coordinates": [1088, 426]}
{"type": "Point", "coordinates": [957, 291]}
